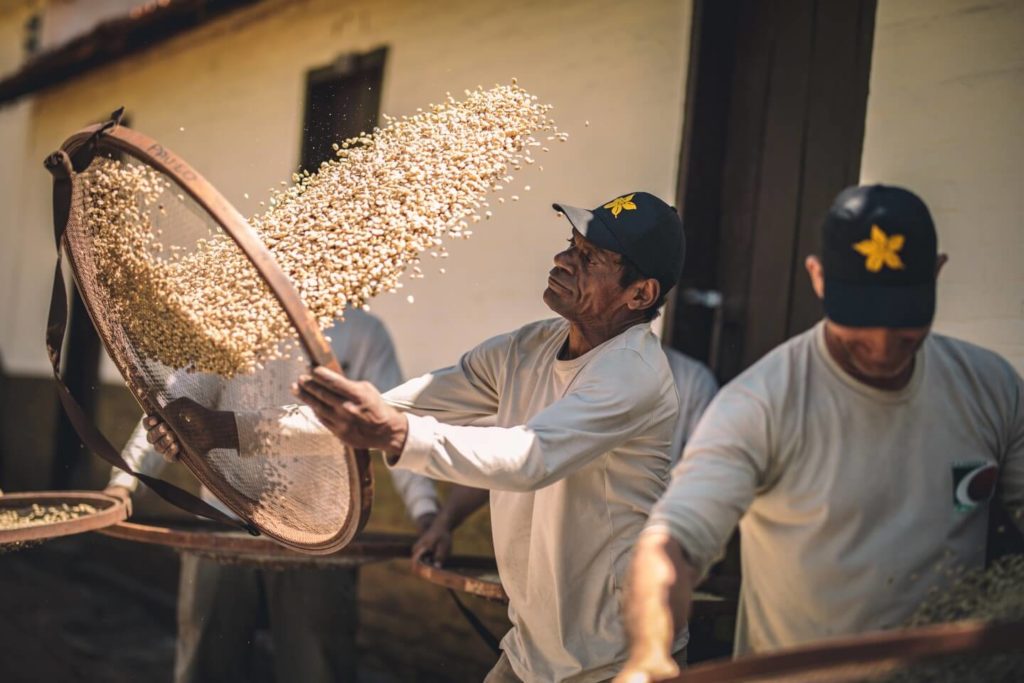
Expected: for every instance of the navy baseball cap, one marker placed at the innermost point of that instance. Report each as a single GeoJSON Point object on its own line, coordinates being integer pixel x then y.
{"type": "Point", "coordinates": [646, 231]}
{"type": "Point", "coordinates": [879, 255]}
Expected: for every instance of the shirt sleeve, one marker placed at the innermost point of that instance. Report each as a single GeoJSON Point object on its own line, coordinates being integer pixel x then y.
{"type": "Point", "coordinates": [713, 485]}
{"type": "Point", "coordinates": [462, 394]}
{"type": "Point", "coordinates": [140, 456]}
{"type": "Point", "coordinates": [1011, 483]}
{"type": "Point", "coordinates": [609, 403]}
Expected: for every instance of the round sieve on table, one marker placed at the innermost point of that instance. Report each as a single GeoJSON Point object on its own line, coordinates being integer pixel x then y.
{"type": "Point", "coordinates": [103, 511]}
{"type": "Point", "coordinates": [467, 574]}
{"type": "Point", "coordinates": [478, 575]}
{"type": "Point", "coordinates": [868, 657]}
{"type": "Point", "coordinates": [169, 222]}
{"type": "Point", "coordinates": [229, 546]}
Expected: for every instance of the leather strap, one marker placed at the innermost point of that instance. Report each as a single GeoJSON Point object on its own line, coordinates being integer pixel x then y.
{"type": "Point", "coordinates": [477, 624]}
{"type": "Point", "coordinates": [60, 165]}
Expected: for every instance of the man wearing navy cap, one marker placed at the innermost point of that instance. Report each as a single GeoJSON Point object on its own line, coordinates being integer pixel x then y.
{"type": "Point", "coordinates": [859, 458]}
{"type": "Point", "coordinates": [583, 408]}
{"type": "Point", "coordinates": [568, 422]}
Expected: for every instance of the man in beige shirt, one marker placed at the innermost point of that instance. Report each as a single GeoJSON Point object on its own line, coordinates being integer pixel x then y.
{"type": "Point", "coordinates": [859, 458]}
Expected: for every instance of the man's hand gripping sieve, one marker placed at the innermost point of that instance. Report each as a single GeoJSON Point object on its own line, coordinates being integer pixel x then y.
{"type": "Point", "coordinates": [354, 412]}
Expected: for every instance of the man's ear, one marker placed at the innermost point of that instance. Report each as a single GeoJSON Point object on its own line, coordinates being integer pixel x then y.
{"type": "Point", "coordinates": [817, 273]}
{"type": "Point", "coordinates": [940, 261]}
{"type": "Point", "coordinates": [645, 293]}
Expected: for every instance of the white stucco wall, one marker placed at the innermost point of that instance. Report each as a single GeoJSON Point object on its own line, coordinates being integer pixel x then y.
{"type": "Point", "coordinates": [237, 87]}
{"type": "Point", "coordinates": [946, 119]}
{"type": "Point", "coordinates": [15, 121]}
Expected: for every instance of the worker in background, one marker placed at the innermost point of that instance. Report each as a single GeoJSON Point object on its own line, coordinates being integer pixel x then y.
{"type": "Point", "coordinates": [860, 458]}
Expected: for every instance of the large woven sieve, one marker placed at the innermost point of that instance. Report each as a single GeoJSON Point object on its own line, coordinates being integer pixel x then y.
{"type": "Point", "coordinates": [42, 515]}
{"type": "Point", "coordinates": [314, 502]}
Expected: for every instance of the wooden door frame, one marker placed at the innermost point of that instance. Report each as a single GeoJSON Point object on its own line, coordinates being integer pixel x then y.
{"type": "Point", "coordinates": [773, 129]}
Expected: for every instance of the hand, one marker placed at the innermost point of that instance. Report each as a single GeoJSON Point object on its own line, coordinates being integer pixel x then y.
{"type": "Point", "coordinates": [435, 541]}
{"type": "Point", "coordinates": [201, 428]}
{"type": "Point", "coordinates": [659, 588]}
{"type": "Point", "coordinates": [424, 521]}
{"type": "Point", "coordinates": [354, 412]}
{"type": "Point", "coordinates": [162, 438]}
{"type": "Point", "coordinates": [645, 669]}
{"type": "Point", "coordinates": [121, 493]}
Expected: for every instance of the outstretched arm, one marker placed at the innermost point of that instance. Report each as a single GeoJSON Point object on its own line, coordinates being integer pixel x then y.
{"type": "Point", "coordinates": [609, 403]}
{"type": "Point", "coordinates": [725, 462]}
{"type": "Point", "coordinates": [659, 593]}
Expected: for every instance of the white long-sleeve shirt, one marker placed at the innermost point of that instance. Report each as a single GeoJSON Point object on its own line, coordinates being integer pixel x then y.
{"type": "Point", "coordinates": [696, 387]}
{"type": "Point", "coordinates": [363, 347]}
{"type": "Point", "coordinates": [575, 459]}
{"type": "Point", "coordinates": [855, 502]}
{"type": "Point", "coordinates": [575, 453]}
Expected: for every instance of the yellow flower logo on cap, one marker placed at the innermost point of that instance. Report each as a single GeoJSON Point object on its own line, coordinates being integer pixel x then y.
{"type": "Point", "coordinates": [617, 205]}
{"type": "Point", "coordinates": [881, 250]}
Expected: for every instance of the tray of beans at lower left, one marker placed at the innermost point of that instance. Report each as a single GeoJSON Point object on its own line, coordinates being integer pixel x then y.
{"type": "Point", "coordinates": [37, 516]}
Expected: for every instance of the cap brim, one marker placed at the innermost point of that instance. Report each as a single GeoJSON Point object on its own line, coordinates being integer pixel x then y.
{"type": "Point", "coordinates": [861, 305]}
{"type": "Point", "coordinates": [590, 226]}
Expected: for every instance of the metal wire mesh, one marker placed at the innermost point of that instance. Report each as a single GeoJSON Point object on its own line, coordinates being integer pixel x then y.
{"type": "Point", "coordinates": [303, 499]}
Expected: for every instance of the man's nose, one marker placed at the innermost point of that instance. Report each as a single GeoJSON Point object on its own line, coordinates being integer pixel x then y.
{"type": "Point", "coordinates": [564, 260]}
{"type": "Point", "coordinates": [885, 344]}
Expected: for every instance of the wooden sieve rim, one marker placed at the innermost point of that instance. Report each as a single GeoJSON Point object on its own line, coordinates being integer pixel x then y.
{"type": "Point", "coordinates": [145, 149]}
{"type": "Point", "coordinates": [881, 647]}
{"type": "Point", "coordinates": [456, 574]}
{"type": "Point", "coordinates": [213, 539]}
{"type": "Point", "coordinates": [110, 510]}
{"type": "Point", "coordinates": [227, 216]}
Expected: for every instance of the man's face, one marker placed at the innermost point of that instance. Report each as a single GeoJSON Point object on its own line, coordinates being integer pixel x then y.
{"type": "Point", "coordinates": [876, 353]}
{"type": "Point", "coordinates": [584, 284]}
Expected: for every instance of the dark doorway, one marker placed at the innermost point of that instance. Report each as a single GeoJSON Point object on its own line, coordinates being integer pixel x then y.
{"type": "Point", "coordinates": [342, 101]}
{"type": "Point", "coordinates": [777, 94]}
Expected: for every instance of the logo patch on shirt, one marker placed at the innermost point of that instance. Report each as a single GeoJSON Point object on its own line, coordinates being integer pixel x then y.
{"type": "Point", "coordinates": [974, 483]}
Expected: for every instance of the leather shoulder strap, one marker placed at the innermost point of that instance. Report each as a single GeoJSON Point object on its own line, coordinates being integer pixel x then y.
{"type": "Point", "coordinates": [60, 165]}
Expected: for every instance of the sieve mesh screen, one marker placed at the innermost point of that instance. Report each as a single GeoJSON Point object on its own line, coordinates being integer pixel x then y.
{"type": "Point", "coordinates": [133, 235]}
{"type": "Point", "coordinates": [188, 310]}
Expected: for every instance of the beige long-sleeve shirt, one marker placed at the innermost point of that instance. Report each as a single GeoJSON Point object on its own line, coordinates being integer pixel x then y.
{"type": "Point", "coordinates": [575, 453]}
{"type": "Point", "coordinates": [696, 387]}
{"type": "Point", "coordinates": [855, 502]}
{"type": "Point", "coordinates": [576, 457]}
